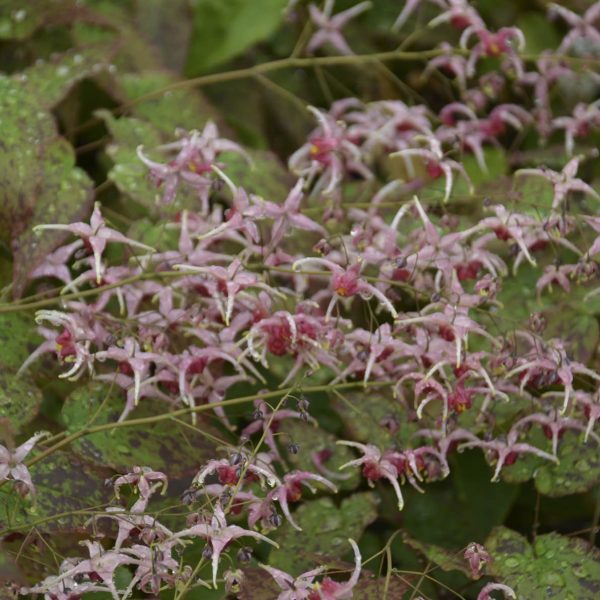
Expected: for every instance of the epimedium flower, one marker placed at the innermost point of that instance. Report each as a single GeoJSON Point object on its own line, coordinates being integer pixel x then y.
{"type": "Point", "coordinates": [346, 283]}
{"type": "Point", "coordinates": [477, 557]}
{"type": "Point", "coordinates": [582, 26]}
{"type": "Point", "coordinates": [11, 462]}
{"type": "Point", "coordinates": [218, 535]}
{"type": "Point", "coordinates": [304, 586]}
{"type": "Point", "coordinates": [196, 155]}
{"type": "Point", "coordinates": [286, 216]}
{"type": "Point", "coordinates": [226, 283]}
{"type": "Point", "coordinates": [328, 155]}
{"type": "Point", "coordinates": [291, 491]}
{"type": "Point", "coordinates": [493, 43]}
{"type": "Point", "coordinates": [375, 465]}
{"type": "Point", "coordinates": [329, 27]}
{"type": "Point", "coordinates": [564, 181]}
{"type": "Point", "coordinates": [54, 264]}
{"type": "Point", "coordinates": [95, 237]}
{"type": "Point", "coordinates": [436, 164]}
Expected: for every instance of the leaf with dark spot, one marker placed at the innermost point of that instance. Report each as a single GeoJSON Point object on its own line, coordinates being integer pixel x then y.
{"type": "Point", "coordinates": [19, 400]}
{"type": "Point", "coordinates": [554, 567]}
{"type": "Point", "coordinates": [64, 484]}
{"type": "Point", "coordinates": [164, 446]}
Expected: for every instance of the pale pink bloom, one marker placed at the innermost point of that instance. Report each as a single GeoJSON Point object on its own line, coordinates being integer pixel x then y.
{"type": "Point", "coordinates": [95, 236]}
{"type": "Point", "coordinates": [329, 28]}
{"type": "Point", "coordinates": [564, 181]}
{"type": "Point", "coordinates": [218, 535]}
{"type": "Point", "coordinates": [11, 462]}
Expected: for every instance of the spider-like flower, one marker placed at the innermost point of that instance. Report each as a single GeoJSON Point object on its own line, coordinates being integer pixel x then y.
{"type": "Point", "coordinates": [346, 283]}
{"type": "Point", "coordinates": [477, 557]}
{"type": "Point", "coordinates": [490, 43]}
{"type": "Point", "coordinates": [144, 479]}
{"type": "Point", "coordinates": [11, 462]}
{"type": "Point", "coordinates": [95, 236]}
{"type": "Point", "coordinates": [563, 182]}
{"type": "Point", "coordinates": [229, 471]}
{"type": "Point", "coordinates": [329, 154]}
{"type": "Point", "coordinates": [582, 26]}
{"type": "Point", "coordinates": [585, 117]}
{"type": "Point", "coordinates": [304, 588]}
{"type": "Point", "coordinates": [329, 28]}
{"type": "Point", "coordinates": [54, 264]}
{"type": "Point", "coordinates": [505, 452]}
{"type": "Point", "coordinates": [218, 535]}
{"type": "Point", "coordinates": [197, 153]}
{"type": "Point", "coordinates": [457, 12]}
{"type": "Point", "coordinates": [436, 164]}
{"type": "Point", "coordinates": [291, 491]}
{"type": "Point", "coordinates": [286, 216]}
{"type": "Point", "coordinates": [228, 282]}
{"type": "Point", "coordinates": [375, 465]}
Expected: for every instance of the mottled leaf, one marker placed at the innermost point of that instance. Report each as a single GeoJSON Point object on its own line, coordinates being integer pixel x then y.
{"type": "Point", "coordinates": [64, 485]}
{"type": "Point", "coordinates": [325, 532]}
{"type": "Point", "coordinates": [442, 557]}
{"type": "Point", "coordinates": [19, 19]}
{"type": "Point", "coordinates": [17, 339]}
{"type": "Point", "coordinates": [166, 446]}
{"type": "Point", "coordinates": [166, 110]}
{"type": "Point", "coordinates": [554, 567]}
{"type": "Point", "coordinates": [50, 81]}
{"type": "Point", "coordinates": [577, 472]}
{"type": "Point", "coordinates": [19, 399]}
{"type": "Point", "coordinates": [38, 180]}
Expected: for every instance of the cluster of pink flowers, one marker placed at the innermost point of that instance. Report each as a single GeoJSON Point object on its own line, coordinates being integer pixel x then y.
{"type": "Point", "coordinates": [253, 282]}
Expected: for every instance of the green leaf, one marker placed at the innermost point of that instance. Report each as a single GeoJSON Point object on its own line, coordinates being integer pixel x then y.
{"type": "Point", "coordinates": [222, 30]}
{"type": "Point", "coordinates": [442, 557]}
{"type": "Point", "coordinates": [313, 439]}
{"type": "Point", "coordinates": [325, 532]}
{"type": "Point", "coordinates": [19, 400]}
{"type": "Point", "coordinates": [577, 472]}
{"type": "Point", "coordinates": [18, 19]}
{"type": "Point", "coordinates": [50, 81]}
{"type": "Point", "coordinates": [38, 180]}
{"type": "Point", "coordinates": [64, 195]}
{"type": "Point", "coordinates": [554, 567]}
{"type": "Point", "coordinates": [364, 415]}
{"type": "Point", "coordinates": [167, 110]}
{"type": "Point", "coordinates": [17, 340]}
{"type": "Point", "coordinates": [167, 27]}
{"type": "Point", "coordinates": [165, 446]}
{"type": "Point", "coordinates": [63, 485]}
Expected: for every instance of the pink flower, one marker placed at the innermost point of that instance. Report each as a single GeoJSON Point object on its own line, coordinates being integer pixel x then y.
{"type": "Point", "coordinates": [11, 462]}
{"type": "Point", "coordinates": [218, 535]}
{"type": "Point", "coordinates": [95, 236]}
{"type": "Point", "coordinates": [329, 28]}
{"type": "Point", "coordinates": [563, 182]}
{"type": "Point", "coordinates": [477, 557]}
{"type": "Point", "coordinates": [346, 283]}
{"type": "Point", "coordinates": [197, 153]}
